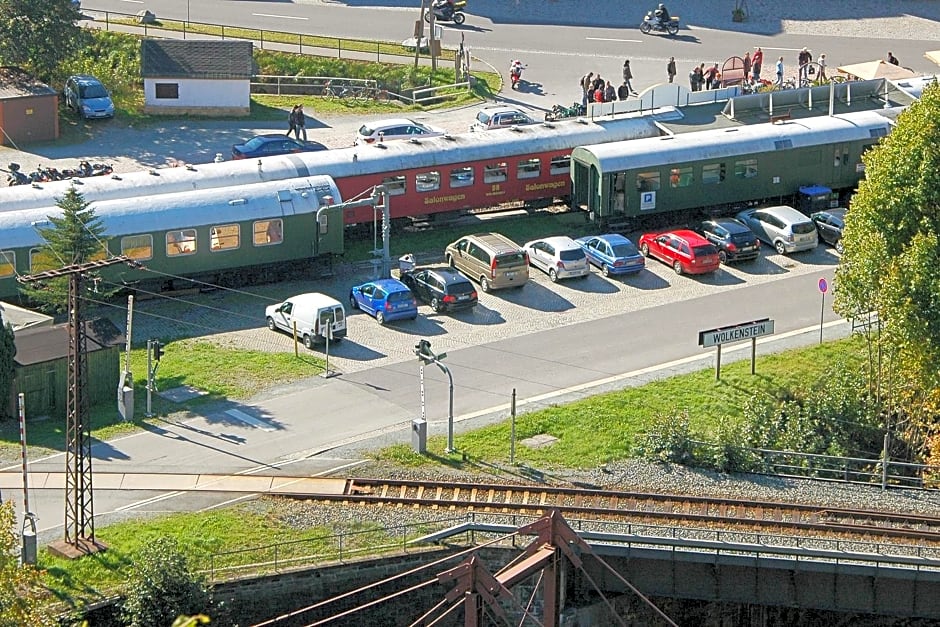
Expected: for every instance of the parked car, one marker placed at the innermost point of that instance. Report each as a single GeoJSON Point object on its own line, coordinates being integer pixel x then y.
{"type": "Point", "coordinates": [315, 315]}
{"type": "Point", "coordinates": [732, 238]}
{"type": "Point", "coordinates": [386, 299]}
{"type": "Point", "coordinates": [273, 144]}
{"type": "Point", "coordinates": [783, 227]}
{"type": "Point", "coordinates": [88, 97]}
{"type": "Point", "coordinates": [500, 117]}
{"type": "Point", "coordinates": [612, 253]}
{"type": "Point", "coordinates": [443, 289]}
{"type": "Point", "coordinates": [400, 128]}
{"type": "Point", "coordinates": [560, 257]}
{"type": "Point", "coordinates": [490, 258]}
{"type": "Point", "coordinates": [686, 251]}
{"type": "Point", "coordinates": [829, 226]}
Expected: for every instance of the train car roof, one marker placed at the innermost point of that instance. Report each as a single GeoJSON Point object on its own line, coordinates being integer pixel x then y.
{"type": "Point", "coordinates": [153, 214]}
{"type": "Point", "coordinates": [342, 162]}
{"type": "Point", "coordinates": [744, 140]}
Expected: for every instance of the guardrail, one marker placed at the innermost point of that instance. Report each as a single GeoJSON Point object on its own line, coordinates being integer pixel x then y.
{"type": "Point", "coordinates": [409, 538]}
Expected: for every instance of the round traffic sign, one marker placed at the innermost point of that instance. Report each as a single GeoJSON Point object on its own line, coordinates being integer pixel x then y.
{"type": "Point", "coordinates": [823, 285]}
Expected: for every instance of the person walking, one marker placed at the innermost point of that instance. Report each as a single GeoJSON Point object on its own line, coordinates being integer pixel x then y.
{"type": "Point", "coordinates": [671, 68]}
{"type": "Point", "coordinates": [779, 82]}
{"type": "Point", "coordinates": [290, 121]}
{"type": "Point", "coordinates": [300, 123]}
{"type": "Point", "coordinates": [756, 62]}
{"type": "Point", "coordinates": [803, 61]}
{"type": "Point", "coordinates": [823, 66]}
{"type": "Point", "coordinates": [628, 77]}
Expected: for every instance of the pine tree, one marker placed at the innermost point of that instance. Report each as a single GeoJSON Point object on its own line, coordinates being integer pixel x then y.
{"type": "Point", "coordinates": [76, 236]}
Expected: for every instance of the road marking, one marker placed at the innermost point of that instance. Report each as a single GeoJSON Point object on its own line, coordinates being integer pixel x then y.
{"type": "Point", "coordinates": [134, 1]}
{"type": "Point", "coordinates": [629, 41]}
{"type": "Point", "coordinates": [280, 17]}
{"type": "Point", "coordinates": [237, 414]}
{"type": "Point", "coordinates": [784, 49]}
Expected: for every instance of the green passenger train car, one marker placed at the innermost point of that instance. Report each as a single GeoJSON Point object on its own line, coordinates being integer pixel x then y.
{"type": "Point", "coordinates": [672, 178]}
{"type": "Point", "coordinates": [237, 235]}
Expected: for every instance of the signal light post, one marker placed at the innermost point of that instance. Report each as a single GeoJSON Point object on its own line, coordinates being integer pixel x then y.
{"type": "Point", "coordinates": [154, 353]}
{"type": "Point", "coordinates": [426, 356]}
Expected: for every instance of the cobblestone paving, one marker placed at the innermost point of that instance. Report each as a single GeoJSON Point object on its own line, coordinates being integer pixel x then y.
{"type": "Point", "coordinates": [237, 319]}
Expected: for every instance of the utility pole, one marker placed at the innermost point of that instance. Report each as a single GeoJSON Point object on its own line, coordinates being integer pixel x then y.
{"type": "Point", "coordinates": [79, 506]}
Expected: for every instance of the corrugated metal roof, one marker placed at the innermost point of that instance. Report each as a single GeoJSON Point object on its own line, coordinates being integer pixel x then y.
{"type": "Point", "coordinates": [196, 58]}
{"type": "Point", "coordinates": [15, 83]}
{"type": "Point", "coordinates": [41, 344]}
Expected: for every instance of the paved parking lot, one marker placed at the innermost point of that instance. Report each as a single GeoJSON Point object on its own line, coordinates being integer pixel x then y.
{"type": "Point", "coordinates": [237, 319]}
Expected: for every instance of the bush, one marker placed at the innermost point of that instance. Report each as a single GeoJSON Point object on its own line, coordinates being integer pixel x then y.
{"type": "Point", "coordinates": [669, 439]}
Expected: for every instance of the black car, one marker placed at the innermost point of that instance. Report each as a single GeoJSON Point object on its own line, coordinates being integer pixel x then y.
{"type": "Point", "coordinates": [829, 225]}
{"type": "Point", "coordinates": [273, 144]}
{"type": "Point", "coordinates": [734, 241]}
{"type": "Point", "coordinates": [442, 288]}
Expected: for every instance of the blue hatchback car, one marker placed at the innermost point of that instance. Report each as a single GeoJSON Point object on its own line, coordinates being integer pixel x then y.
{"type": "Point", "coordinates": [386, 299]}
{"type": "Point", "coordinates": [612, 253]}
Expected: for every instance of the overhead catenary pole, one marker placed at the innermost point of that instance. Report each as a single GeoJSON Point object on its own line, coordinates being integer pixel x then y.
{"type": "Point", "coordinates": [79, 504]}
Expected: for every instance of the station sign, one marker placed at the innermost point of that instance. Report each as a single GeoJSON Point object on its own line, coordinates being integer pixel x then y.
{"type": "Point", "coordinates": [736, 333]}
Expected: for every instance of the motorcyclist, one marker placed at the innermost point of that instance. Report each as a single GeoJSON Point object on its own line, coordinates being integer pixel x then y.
{"type": "Point", "coordinates": [662, 15]}
{"type": "Point", "coordinates": [444, 8]}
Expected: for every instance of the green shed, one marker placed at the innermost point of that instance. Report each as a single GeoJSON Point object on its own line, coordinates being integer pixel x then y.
{"type": "Point", "coordinates": [41, 366]}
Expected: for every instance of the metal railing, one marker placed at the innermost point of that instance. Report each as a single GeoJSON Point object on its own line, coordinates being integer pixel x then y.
{"type": "Point", "coordinates": [474, 528]}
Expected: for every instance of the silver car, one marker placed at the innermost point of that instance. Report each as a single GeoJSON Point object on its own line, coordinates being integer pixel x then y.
{"type": "Point", "coordinates": [560, 257]}
{"type": "Point", "coordinates": [783, 227]}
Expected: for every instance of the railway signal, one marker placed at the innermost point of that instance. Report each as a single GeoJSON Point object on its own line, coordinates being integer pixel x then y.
{"type": "Point", "coordinates": [426, 356]}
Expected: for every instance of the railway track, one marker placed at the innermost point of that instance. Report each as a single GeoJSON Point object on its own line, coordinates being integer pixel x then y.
{"type": "Point", "coordinates": [594, 504]}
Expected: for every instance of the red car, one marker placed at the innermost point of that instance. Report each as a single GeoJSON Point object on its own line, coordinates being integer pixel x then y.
{"type": "Point", "coordinates": [686, 251]}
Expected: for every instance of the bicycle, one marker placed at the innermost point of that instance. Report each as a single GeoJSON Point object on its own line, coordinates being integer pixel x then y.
{"type": "Point", "coordinates": [332, 93]}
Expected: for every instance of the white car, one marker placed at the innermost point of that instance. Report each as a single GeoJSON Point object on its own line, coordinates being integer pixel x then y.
{"type": "Point", "coordinates": [500, 117]}
{"type": "Point", "coordinates": [400, 128]}
{"type": "Point", "coordinates": [560, 257]}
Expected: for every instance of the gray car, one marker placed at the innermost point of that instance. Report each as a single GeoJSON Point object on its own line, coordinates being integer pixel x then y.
{"type": "Point", "coordinates": [88, 97]}
{"type": "Point", "coordinates": [783, 227]}
{"type": "Point", "coordinates": [560, 257]}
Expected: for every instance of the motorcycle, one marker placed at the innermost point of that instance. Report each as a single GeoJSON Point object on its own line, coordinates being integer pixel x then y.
{"type": "Point", "coordinates": [445, 11]}
{"type": "Point", "coordinates": [15, 176]}
{"type": "Point", "coordinates": [651, 24]}
{"type": "Point", "coordinates": [515, 75]}
{"type": "Point", "coordinates": [560, 112]}
{"type": "Point", "coordinates": [96, 169]}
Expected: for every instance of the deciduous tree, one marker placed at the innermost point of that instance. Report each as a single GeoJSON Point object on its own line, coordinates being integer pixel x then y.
{"type": "Point", "coordinates": [891, 263]}
{"type": "Point", "coordinates": [22, 599]}
{"type": "Point", "coordinates": [38, 35]}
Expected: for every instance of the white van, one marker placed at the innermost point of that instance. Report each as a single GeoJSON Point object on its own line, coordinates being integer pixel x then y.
{"type": "Point", "coordinates": [312, 313]}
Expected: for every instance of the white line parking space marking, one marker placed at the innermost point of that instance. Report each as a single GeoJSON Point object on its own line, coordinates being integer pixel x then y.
{"type": "Point", "coordinates": [280, 17]}
{"type": "Point", "coordinates": [629, 41]}
{"type": "Point", "coordinates": [250, 420]}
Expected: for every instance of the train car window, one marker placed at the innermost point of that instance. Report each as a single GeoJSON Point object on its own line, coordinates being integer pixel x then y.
{"type": "Point", "coordinates": [495, 173]}
{"type": "Point", "coordinates": [7, 263]}
{"type": "Point", "coordinates": [428, 181]}
{"type": "Point", "coordinates": [745, 169]}
{"type": "Point", "coordinates": [225, 237]}
{"type": "Point", "coordinates": [139, 247]}
{"type": "Point", "coordinates": [783, 144]}
{"type": "Point", "coordinates": [529, 169]}
{"type": "Point", "coordinates": [396, 185]}
{"type": "Point", "coordinates": [461, 177]}
{"type": "Point", "coordinates": [182, 242]}
{"type": "Point", "coordinates": [681, 177]}
{"type": "Point", "coordinates": [40, 260]}
{"type": "Point", "coordinates": [647, 181]}
{"type": "Point", "coordinates": [267, 232]}
{"type": "Point", "coordinates": [713, 173]}
{"type": "Point", "coordinates": [560, 165]}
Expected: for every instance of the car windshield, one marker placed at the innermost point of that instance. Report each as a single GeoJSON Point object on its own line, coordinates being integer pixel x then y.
{"type": "Point", "coordinates": [571, 254]}
{"type": "Point", "coordinates": [254, 143]}
{"type": "Point", "coordinates": [626, 249]}
{"type": "Point", "coordinates": [94, 91]}
{"type": "Point", "coordinates": [483, 117]}
{"type": "Point", "coordinates": [804, 228]}
{"type": "Point", "coordinates": [366, 131]}
{"type": "Point", "coordinates": [398, 297]}
{"type": "Point", "coordinates": [511, 259]}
